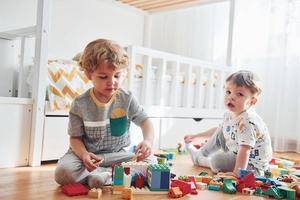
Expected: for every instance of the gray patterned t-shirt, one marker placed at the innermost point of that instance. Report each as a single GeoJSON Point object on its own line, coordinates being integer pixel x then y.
{"type": "Point", "coordinates": [249, 129]}
{"type": "Point", "coordinates": [104, 127]}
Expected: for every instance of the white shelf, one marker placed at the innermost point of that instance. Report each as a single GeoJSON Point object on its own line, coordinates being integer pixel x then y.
{"type": "Point", "coordinates": [15, 100]}
{"type": "Point", "coordinates": [17, 33]}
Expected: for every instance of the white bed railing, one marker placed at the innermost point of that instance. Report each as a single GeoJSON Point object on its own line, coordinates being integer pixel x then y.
{"type": "Point", "coordinates": [171, 85]}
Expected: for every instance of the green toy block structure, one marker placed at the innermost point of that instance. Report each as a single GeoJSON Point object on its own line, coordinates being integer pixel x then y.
{"type": "Point", "coordinates": [203, 174]}
{"type": "Point", "coordinates": [159, 177]}
{"type": "Point", "coordinates": [273, 192]}
{"type": "Point", "coordinates": [118, 175]}
{"type": "Point", "coordinates": [259, 192]}
{"type": "Point", "coordinates": [228, 186]}
{"type": "Point", "coordinates": [288, 193]}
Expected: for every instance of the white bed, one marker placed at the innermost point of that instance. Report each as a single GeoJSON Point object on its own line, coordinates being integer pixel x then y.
{"type": "Point", "coordinates": [180, 94]}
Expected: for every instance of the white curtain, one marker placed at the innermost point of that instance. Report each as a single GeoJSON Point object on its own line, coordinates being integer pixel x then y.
{"type": "Point", "coordinates": [199, 32]}
{"type": "Point", "coordinates": [267, 41]}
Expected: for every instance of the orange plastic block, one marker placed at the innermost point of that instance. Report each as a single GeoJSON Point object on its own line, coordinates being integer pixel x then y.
{"type": "Point", "coordinates": [127, 194]}
{"type": "Point", "coordinates": [175, 192]}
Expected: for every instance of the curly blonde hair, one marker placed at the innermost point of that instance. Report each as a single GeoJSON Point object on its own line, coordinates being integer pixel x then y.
{"type": "Point", "coordinates": [103, 51]}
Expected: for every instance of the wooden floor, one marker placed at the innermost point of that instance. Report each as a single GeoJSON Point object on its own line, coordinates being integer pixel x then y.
{"type": "Point", "coordinates": [37, 183]}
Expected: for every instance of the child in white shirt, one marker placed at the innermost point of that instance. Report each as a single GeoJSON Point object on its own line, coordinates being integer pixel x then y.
{"type": "Point", "coordinates": [242, 137]}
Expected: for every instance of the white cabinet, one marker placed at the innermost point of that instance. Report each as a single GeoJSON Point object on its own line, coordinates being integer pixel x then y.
{"type": "Point", "coordinates": [173, 129]}
{"type": "Point", "coordinates": [56, 138]}
{"type": "Point", "coordinates": [15, 126]}
{"type": "Point", "coordinates": [168, 133]}
{"type": "Point", "coordinates": [6, 67]}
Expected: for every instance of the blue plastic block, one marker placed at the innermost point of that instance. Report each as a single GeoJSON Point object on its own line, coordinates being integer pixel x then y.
{"type": "Point", "coordinates": [261, 178]}
{"type": "Point", "coordinates": [243, 172]}
{"type": "Point", "coordinates": [274, 182]}
{"type": "Point", "coordinates": [118, 181]}
{"type": "Point", "coordinates": [165, 180]}
{"type": "Point", "coordinates": [155, 180]}
{"type": "Point", "coordinates": [214, 187]}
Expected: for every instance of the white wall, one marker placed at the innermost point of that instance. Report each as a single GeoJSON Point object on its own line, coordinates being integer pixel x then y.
{"type": "Point", "coordinates": [76, 22]}
{"type": "Point", "coordinates": [17, 14]}
{"type": "Point", "coordinates": [200, 32]}
{"type": "Point", "coordinates": [73, 24]}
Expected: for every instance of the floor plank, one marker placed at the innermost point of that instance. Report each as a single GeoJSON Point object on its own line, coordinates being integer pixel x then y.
{"type": "Point", "coordinates": [37, 183]}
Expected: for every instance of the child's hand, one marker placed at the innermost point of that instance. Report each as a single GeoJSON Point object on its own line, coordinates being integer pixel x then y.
{"type": "Point", "coordinates": [91, 161]}
{"type": "Point", "coordinates": [143, 150]}
{"type": "Point", "coordinates": [188, 138]}
{"type": "Point", "coordinates": [230, 174]}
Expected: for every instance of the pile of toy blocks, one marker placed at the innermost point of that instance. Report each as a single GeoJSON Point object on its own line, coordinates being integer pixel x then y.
{"type": "Point", "coordinates": [286, 185]}
{"type": "Point", "coordinates": [159, 177]}
{"type": "Point", "coordinates": [141, 177]}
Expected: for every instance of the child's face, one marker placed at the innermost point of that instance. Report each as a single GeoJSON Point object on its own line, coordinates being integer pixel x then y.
{"type": "Point", "coordinates": [238, 98]}
{"type": "Point", "coordinates": [106, 81]}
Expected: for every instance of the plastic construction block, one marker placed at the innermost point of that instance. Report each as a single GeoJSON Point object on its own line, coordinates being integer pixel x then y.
{"type": "Point", "coordinates": [216, 183]}
{"type": "Point", "coordinates": [161, 160]}
{"type": "Point", "coordinates": [139, 181]}
{"type": "Point", "coordinates": [274, 192]}
{"type": "Point", "coordinates": [228, 186]}
{"type": "Point", "coordinates": [261, 178]}
{"type": "Point", "coordinates": [165, 180]}
{"type": "Point", "coordinates": [214, 187]}
{"type": "Point", "coordinates": [159, 177]}
{"type": "Point", "coordinates": [248, 191]}
{"type": "Point", "coordinates": [118, 175]}
{"type": "Point", "coordinates": [167, 155]}
{"type": "Point", "coordinates": [144, 190]}
{"type": "Point", "coordinates": [184, 186]}
{"type": "Point", "coordinates": [74, 189]}
{"type": "Point", "coordinates": [274, 182]}
{"type": "Point", "coordinates": [175, 192]}
{"type": "Point", "coordinates": [154, 179]}
{"type": "Point", "coordinates": [201, 186]}
{"type": "Point", "coordinates": [118, 172]}
{"type": "Point", "coordinates": [259, 192]}
{"type": "Point", "coordinates": [288, 193]}
{"type": "Point", "coordinates": [248, 180]}
{"type": "Point", "coordinates": [183, 178]}
{"type": "Point", "coordinates": [95, 193]}
{"type": "Point", "coordinates": [127, 194]}
{"type": "Point", "coordinates": [297, 167]}
{"type": "Point", "coordinates": [225, 175]}
{"type": "Point", "coordinates": [159, 167]}
{"type": "Point", "coordinates": [206, 179]}
{"type": "Point", "coordinates": [137, 167]}
{"type": "Point", "coordinates": [203, 174]}
{"type": "Point", "coordinates": [243, 172]}
{"type": "Point", "coordinates": [192, 181]}
{"type": "Point", "coordinates": [296, 187]}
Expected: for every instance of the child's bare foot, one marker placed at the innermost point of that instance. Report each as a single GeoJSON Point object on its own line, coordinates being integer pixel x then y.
{"type": "Point", "coordinates": [98, 180]}
{"type": "Point", "coordinates": [99, 177]}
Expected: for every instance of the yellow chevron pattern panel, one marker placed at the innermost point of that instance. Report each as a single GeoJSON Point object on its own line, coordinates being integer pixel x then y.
{"type": "Point", "coordinates": [65, 82]}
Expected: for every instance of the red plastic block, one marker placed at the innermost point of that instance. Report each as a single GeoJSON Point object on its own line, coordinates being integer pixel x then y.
{"type": "Point", "coordinates": [74, 189]}
{"type": "Point", "coordinates": [184, 186]}
{"type": "Point", "coordinates": [247, 181]}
